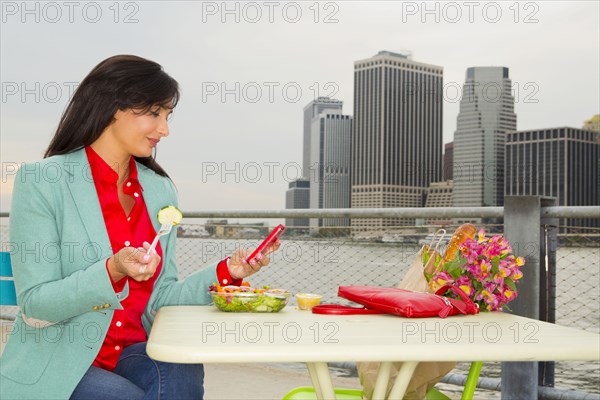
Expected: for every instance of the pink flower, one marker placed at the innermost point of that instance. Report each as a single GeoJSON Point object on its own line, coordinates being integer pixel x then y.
{"type": "Point", "coordinates": [498, 278]}
{"type": "Point", "coordinates": [469, 250]}
{"type": "Point", "coordinates": [486, 267]}
{"type": "Point", "coordinates": [493, 250]}
{"type": "Point", "coordinates": [490, 286]}
{"type": "Point", "coordinates": [440, 279]}
{"type": "Point", "coordinates": [486, 264]}
{"type": "Point", "coordinates": [474, 269]}
{"type": "Point", "coordinates": [465, 284]}
{"type": "Point", "coordinates": [504, 269]}
{"type": "Point", "coordinates": [481, 235]}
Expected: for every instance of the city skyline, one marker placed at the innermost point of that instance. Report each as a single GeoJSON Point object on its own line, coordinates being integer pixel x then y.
{"type": "Point", "coordinates": [228, 154]}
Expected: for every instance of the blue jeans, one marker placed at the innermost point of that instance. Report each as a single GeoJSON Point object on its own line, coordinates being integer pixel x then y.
{"type": "Point", "coordinates": [137, 376]}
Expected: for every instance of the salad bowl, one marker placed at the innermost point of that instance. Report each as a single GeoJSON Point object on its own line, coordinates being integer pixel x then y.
{"type": "Point", "coordinates": [248, 299]}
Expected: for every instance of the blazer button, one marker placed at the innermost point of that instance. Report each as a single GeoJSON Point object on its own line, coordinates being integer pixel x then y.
{"type": "Point", "coordinates": [106, 305]}
{"type": "Point", "coordinates": [95, 308]}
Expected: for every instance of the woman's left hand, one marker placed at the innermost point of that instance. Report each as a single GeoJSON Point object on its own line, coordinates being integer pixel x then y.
{"type": "Point", "coordinates": [240, 268]}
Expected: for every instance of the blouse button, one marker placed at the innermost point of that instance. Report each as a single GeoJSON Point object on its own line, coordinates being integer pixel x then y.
{"type": "Point", "coordinates": [225, 281]}
{"type": "Point", "coordinates": [119, 323]}
{"type": "Point", "coordinates": [136, 194]}
{"type": "Point", "coordinates": [128, 184]}
{"type": "Point", "coordinates": [127, 243]}
{"type": "Point", "coordinates": [117, 348]}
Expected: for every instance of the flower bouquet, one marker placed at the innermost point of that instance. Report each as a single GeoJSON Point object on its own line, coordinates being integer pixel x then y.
{"type": "Point", "coordinates": [484, 268]}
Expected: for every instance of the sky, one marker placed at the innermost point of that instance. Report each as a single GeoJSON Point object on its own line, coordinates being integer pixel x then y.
{"type": "Point", "coordinates": [247, 69]}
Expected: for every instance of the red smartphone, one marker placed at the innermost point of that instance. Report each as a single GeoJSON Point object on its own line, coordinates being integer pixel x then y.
{"type": "Point", "coordinates": [272, 238]}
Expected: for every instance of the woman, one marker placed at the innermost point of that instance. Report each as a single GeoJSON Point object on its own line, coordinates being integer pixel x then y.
{"type": "Point", "coordinates": [81, 221]}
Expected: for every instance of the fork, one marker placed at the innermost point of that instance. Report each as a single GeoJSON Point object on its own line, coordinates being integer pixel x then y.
{"type": "Point", "coordinates": [165, 229]}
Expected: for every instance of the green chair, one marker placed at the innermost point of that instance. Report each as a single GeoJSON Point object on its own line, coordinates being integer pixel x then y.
{"type": "Point", "coordinates": [308, 392]}
{"type": "Point", "coordinates": [8, 295]}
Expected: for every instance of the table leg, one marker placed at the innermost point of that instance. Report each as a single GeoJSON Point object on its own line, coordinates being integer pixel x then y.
{"type": "Point", "coordinates": [319, 374]}
{"type": "Point", "coordinates": [315, 379]}
{"type": "Point", "coordinates": [381, 383]}
{"type": "Point", "coordinates": [402, 380]}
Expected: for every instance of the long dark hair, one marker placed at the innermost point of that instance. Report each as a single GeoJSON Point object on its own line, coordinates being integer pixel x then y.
{"type": "Point", "coordinates": [118, 83]}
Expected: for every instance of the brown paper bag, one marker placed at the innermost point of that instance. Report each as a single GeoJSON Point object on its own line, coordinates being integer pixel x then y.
{"type": "Point", "coordinates": [427, 374]}
{"type": "Point", "coordinates": [414, 279]}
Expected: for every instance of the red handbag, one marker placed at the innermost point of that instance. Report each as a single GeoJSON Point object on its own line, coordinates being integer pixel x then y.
{"type": "Point", "coordinates": [402, 302]}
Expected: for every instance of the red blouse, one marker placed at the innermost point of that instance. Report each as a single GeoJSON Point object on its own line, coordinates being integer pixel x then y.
{"type": "Point", "coordinates": [128, 230]}
{"type": "Point", "coordinates": [123, 230]}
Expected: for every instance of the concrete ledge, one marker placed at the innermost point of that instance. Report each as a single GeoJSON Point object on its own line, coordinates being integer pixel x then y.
{"type": "Point", "coordinates": [259, 381]}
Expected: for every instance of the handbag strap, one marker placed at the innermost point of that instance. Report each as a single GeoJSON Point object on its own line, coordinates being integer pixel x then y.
{"type": "Point", "coordinates": [337, 309]}
{"type": "Point", "coordinates": [461, 293]}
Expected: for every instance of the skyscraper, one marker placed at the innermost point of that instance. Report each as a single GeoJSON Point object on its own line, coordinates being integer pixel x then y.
{"type": "Point", "coordinates": [297, 197]}
{"type": "Point", "coordinates": [331, 162]}
{"type": "Point", "coordinates": [448, 161]}
{"type": "Point", "coordinates": [486, 116]}
{"type": "Point", "coordinates": [311, 111]}
{"type": "Point", "coordinates": [557, 162]}
{"type": "Point", "coordinates": [298, 194]}
{"type": "Point", "coordinates": [396, 134]}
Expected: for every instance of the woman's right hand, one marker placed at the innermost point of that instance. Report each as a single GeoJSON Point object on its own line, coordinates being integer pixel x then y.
{"type": "Point", "coordinates": [133, 262]}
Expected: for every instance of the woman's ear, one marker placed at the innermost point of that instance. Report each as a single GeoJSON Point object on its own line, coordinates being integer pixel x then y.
{"type": "Point", "coordinates": [118, 115]}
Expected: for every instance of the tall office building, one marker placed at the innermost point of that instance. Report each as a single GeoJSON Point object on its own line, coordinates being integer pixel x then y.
{"type": "Point", "coordinates": [558, 162]}
{"type": "Point", "coordinates": [297, 197]}
{"type": "Point", "coordinates": [311, 111]}
{"type": "Point", "coordinates": [448, 161]}
{"type": "Point", "coordinates": [331, 162]}
{"type": "Point", "coordinates": [486, 116]}
{"type": "Point", "coordinates": [396, 134]}
{"type": "Point", "coordinates": [298, 194]}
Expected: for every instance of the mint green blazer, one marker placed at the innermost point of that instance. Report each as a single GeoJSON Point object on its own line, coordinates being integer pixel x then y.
{"type": "Point", "coordinates": [59, 246]}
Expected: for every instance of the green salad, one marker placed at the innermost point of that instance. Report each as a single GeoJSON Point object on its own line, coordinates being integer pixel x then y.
{"type": "Point", "coordinates": [248, 299]}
